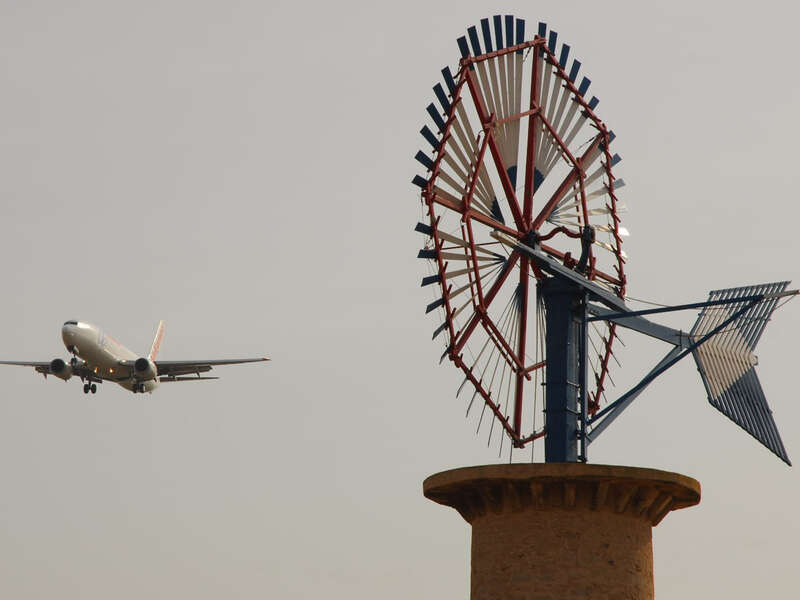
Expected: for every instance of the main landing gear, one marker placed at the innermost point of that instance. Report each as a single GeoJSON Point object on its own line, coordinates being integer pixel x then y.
{"type": "Point", "coordinates": [89, 387]}
{"type": "Point", "coordinates": [139, 387]}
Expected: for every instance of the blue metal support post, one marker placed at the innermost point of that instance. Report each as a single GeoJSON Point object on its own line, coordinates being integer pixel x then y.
{"type": "Point", "coordinates": [565, 307]}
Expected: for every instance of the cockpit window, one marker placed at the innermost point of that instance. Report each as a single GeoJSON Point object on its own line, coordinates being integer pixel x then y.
{"type": "Point", "coordinates": [71, 323]}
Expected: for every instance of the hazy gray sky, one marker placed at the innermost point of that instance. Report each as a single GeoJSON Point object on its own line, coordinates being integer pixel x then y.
{"type": "Point", "coordinates": [241, 170]}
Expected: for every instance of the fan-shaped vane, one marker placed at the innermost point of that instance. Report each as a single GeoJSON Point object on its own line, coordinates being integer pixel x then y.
{"type": "Point", "coordinates": [524, 232]}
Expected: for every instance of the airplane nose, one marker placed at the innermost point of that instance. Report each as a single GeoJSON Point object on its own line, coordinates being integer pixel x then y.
{"type": "Point", "coordinates": [67, 332]}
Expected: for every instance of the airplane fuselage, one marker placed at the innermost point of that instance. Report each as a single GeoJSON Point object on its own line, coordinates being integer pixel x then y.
{"type": "Point", "coordinates": [98, 357]}
{"type": "Point", "coordinates": [102, 354]}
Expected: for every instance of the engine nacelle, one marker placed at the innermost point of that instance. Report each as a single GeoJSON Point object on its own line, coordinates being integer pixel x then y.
{"type": "Point", "coordinates": [144, 369]}
{"type": "Point", "coordinates": [60, 369]}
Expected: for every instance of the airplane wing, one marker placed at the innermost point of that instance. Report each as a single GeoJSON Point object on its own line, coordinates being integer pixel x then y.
{"type": "Point", "coordinates": [43, 367]}
{"type": "Point", "coordinates": [40, 367]}
{"type": "Point", "coordinates": [169, 370]}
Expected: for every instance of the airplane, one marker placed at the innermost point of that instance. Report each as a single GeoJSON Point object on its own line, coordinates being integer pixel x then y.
{"type": "Point", "coordinates": [98, 357]}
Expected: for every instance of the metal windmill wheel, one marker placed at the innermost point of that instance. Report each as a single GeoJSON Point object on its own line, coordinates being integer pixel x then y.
{"type": "Point", "coordinates": [516, 150]}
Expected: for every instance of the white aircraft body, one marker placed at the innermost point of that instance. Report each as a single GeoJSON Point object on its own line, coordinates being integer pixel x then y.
{"type": "Point", "coordinates": [98, 357]}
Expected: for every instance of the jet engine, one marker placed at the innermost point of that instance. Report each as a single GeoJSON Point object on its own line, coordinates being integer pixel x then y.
{"type": "Point", "coordinates": [144, 369]}
{"type": "Point", "coordinates": [60, 369]}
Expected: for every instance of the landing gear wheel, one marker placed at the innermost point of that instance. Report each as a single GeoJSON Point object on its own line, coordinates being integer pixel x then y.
{"type": "Point", "coordinates": [85, 388]}
{"type": "Point", "coordinates": [93, 387]}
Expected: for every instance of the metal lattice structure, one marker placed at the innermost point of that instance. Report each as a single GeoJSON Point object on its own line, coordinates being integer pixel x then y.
{"type": "Point", "coordinates": [524, 244]}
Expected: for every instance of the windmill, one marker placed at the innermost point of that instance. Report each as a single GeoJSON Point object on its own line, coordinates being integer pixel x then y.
{"type": "Point", "coordinates": [524, 243]}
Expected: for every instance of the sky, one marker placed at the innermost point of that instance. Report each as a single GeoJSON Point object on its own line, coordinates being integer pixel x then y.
{"type": "Point", "coordinates": [242, 170]}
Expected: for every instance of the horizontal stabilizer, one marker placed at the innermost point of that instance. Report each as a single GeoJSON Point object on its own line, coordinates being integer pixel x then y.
{"type": "Point", "coordinates": [727, 363]}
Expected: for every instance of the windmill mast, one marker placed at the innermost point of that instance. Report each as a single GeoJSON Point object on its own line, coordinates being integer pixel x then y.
{"type": "Point", "coordinates": [565, 340]}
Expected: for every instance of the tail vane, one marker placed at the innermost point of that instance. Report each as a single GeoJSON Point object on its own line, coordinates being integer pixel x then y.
{"type": "Point", "coordinates": [156, 341]}
{"type": "Point", "coordinates": [727, 363]}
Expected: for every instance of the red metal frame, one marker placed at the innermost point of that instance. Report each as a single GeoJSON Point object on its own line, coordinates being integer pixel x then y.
{"type": "Point", "coordinates": [524, 225]}
{"type": "Point", "coordinates": [487, 121]}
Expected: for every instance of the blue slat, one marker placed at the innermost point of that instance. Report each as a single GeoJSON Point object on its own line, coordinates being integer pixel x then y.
{"type": "Point", "coordinates": [496, 212]}
{"type": "Point", "coordinates": [538, 178]}
{"type": "Point", "coordinates": [593, 102]}
{"type": "Point", "coordinates": [542, 33]}
{"type": "Point", "coordinates": [509, 30]}
{"type": "Point", "coordinates": [463, 47]}
{"type": "Point", "coordinates": [436, 116]}
{"type": "Point", "coordinates": [497, 20]}
{"type": "Point", "coordinates": [439, 91]}
{"type": "Point", "coordinates": [473, 40]}
{"type": "Point", "coordinates": [434, 305]}
{"type": "Point", "coordinates": [487, 35]}
{"type": "Point", "coordinates": [551, 42]}
{"type": "Point", "coordinates": [428, 135]}
{"type": "Point", "coordinates": [615, 160]}
{"type": "Point", "coordinates": [520, 33]}
{"type": "Point", "coordinates": [585, 82]}
{"type": "Point", "coordinates": [431, 279]}
{"type": "Point", "coordinates": [562, 60]}
{"type": "Point", "coordinates": [448, 79]}
{"type": "Point", "coordinates": [425, 160]}
{"type": "Point", "coordinates": [512, 175]}
{"type": "Point", "coordinates": [445, 353]}
{"type": "Point", "coordinates": [427, 254]}
{"type": "Point", "coordinates": [420, 181]}
{"type": "Point", "coordinates": [573, 74]}
{"type": "Point", "coordinates": [439, 330]}
{"type": "Point", "coordinates": [423, 228]}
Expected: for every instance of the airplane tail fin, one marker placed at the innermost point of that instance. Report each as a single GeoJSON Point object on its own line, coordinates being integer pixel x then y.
{"type": "Point", "coordinates": [156, 341]}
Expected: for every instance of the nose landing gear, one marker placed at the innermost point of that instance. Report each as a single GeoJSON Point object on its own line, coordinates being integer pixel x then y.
{"type": "Point", "coordinates": [89, 387]}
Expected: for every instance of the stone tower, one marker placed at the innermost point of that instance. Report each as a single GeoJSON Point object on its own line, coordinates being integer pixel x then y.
{"type": "Point", "coordinates": [562, 531]}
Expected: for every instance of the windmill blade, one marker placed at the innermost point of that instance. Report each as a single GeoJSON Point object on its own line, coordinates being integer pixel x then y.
{"type": "Point", "coordinates": [727, 363]}
{"type": "Point", "coordinates": [622, 231]}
